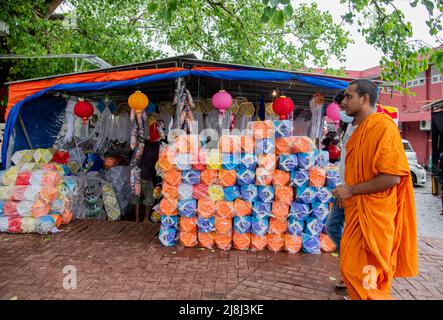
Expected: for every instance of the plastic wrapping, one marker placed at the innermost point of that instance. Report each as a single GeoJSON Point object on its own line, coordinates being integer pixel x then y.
{"type": "Point", "coordinates": [242, 208]}
{"type": "Point", "coordinates": [302, 144]}
{"type": "Point", "coordinates": [206, 239]}
{"type": "Point", "coordinates": [166, 161]}
{"type": "Point", "coordinates": [325, 195]}
{"type": "Point", "coordinates": [241, 241]}
{"type": "Point", "coordinates": [216, 192]}
{"type": "Point", "coordinates": [230, 161]}
{"type": "Point", "coordinates": [200, 191]}
{"type": "Point", "coordinates": [326, 243]}
{"type": "Point", "coordinates": [209, 177]}
{"type": "Point", "coordinates": [317, 177]}
{"type": "Point", "coordinates": [169, 191]}
{"type": "Point", "coordinates": [187, 143]}
{"type": "Point", "coordinates": [306, 195]}
{"type": "Point", "coordinates": [293, 243]}
{"type": "Point", "coordinates": [280, 210]}
{"type": "Point", "coordinates": [283, 146]}
{"type": "Point", "coordinates": [295, 226]}
{"type": "Point", "coordinates": [281, 178]}
{"type": "Point", "coordinates": [259, 226]}
{"type": "Point", "coordinates": [173, 177]}
{"type": "Point", "coordinates": [188, 239]}
{"type": "Point", "coordinates": [249, 192]}
{"type": "Point", "coordinates": [168, 207]}
{"type": "Point", "coordinates": [263, 177]}
{"type": "Point", "coordinates": [206, 224]}
{"type": "Point", "coordinates": [168, 236]}
{"type": "Point", "coordinates": [299, 210]}
{"type": "Point", "coordinates": [187, 208]}
{"type": "Point", "coordinates": [245, 176]}
{"type": "Point", "coordinates": [320, 210]}
{"type": "Point", "coordinates": [230, 144]}
{"type": "Point", "coordinates": [225, 209]}
{"type": "Point", "coordinates": [248, 161]}
{"type": "Point", "coordinates": [311, 244]}
{"type": "Point", "coordinates": [283, 128]}
{"type": "Point", "coordinates": [284, 194]}
{"type": "Point", "coordinates": [267, 161]}
{"type": "Point", "coordinates": [227, 178]}
{"type": "Point", "coordinates": [264, 146]}
{"type": "Point", "coordinates": [242, 224]}
{"type": "Point", "coordinates": [276, 242]}
{"type": "Point", "coordinates": [321, 158]}
{"type": "Point", "coordinates": [185, 191]}
{"type": "Point", "coordinates": [299, 178]}
{"type": "Point", "coordinates": [278, 226]}
{"type": "Point", "coordinates": [313, 226]}
{"type": "Point", "coordinates": [247, 144]}
{"type": "Point", "coordinates": [262, 129]}
{"type": "Point", "coordinates": [206, 208]}
{"type": "Point", "coordinates": [191, 177]}
{"type": "Point", "coordinates": [305, 161]}
{"type": "Point", "coordinates": [258, 242]}
{"type": "Point", "coordinates": [332, 178]}
{"type": "Point", "coordinates": [223, 225]}
{"type": "Point", "coordinates": [288, 162]}
{"type": "Point", "coordinates": [232, 193]}
{"type": "Point", "coordinates": [266, 193]}
{"type": "Point", "coordinates": [223, 241]}
{"type": "Point", "coordinates": [214, 159]}
{"type": "Point", "coordinates": [169, 221]}
{"type": "Point", "coordinates": [262, 209]}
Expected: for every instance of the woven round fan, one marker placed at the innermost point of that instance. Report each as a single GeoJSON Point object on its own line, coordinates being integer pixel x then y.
{"type": "Point", "coordinates": [200, 106]}
{"type": "Point", "coordinates": [209, 106]}
{"type": "Point", "coordinates": [234, 107]}
{"type": "Point", "coordinates": [246, 109]}
{"type": "Point", "coordinates": [167, 107]}
{"type": "Point", "coordinates": [269, 110]}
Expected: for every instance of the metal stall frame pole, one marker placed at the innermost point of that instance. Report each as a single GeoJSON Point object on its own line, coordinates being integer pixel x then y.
{"type": "Point", "coordinates": [178, 92]}
{"type": "Point", "coordinates": [22, 124]}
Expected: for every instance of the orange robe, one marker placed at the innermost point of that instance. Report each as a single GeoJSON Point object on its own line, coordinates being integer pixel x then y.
{"type": "Point", "coordinates": [379, 240]}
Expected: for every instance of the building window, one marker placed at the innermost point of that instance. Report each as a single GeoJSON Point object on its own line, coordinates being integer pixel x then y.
{"type": "Point", "coordinates": [435, 75]}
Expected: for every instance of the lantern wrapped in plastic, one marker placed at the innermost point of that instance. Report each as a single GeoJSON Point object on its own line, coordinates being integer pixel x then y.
{"type": "Point", "coordinates": [206, 208]}
{"type": "Point", "coordinates": [199, 160]}
{"type": "Point", "coordinates": [332, 178]}
{"type": "Point", "coordinates": [320, 210]}
{"type": "Point", "coordinates": [185, 191]}
{"type": "Point", "coordinates": [326, 243]}
{"type": "Point", "coordinates": [169, 221]}
{"type": "Point", "coordinates": [310, 244]}
{"type": "Point", "coordinates": [168, 207]}
{"type": "Point", "coordinates": [305, 161]}
{"type": "Point", "coordinates": [242, 208]}
{"type": "Point", "coordinates": [325, 195]}
{"type": "Point", "coordinates": [216, 192]}
{"type": "Point", "coordinates": [225, 209]}
{"type": "Point", "coordinates": [306, 195]}
{"type": "Point", "coordinates": [266, 193]}
{"type": "Point", "coordinates": [213, 159]}
{"type": "Point", "coordinates": [245, 177]}
{"type": "Point", "coordinates": [188, 239]}
{"type": "Point", "coordinates": [259, 226]}
{"type": "Point", "coordinates": [302, 144]}
{"type": "Point", "coordinates": [299, 210]}
{"type": "Point", "coordinates": [278, 226]}
{"type": "Point", "coordinates": [264, 177]}
{"type": "Point", "coordinates": [283, 128]}
{"type": "Point", "coordinates": [288, 162]}
{"type": "Point", "coordinates": [223, 241]}
{"type": "Point", "coordinates": [321, 158]}
{"type": "Point", "coordinates": [280, 210]}
{"type": "Point", "coordinates": [258, 242]}
{"type": "Point", "coordinates": [284, 194]}
{"type": "Point", "coordinates": [267, 161]}
{"type": "Point", "coordinates": [313, 226]}
{"type": "Point", "coordinates": [295, 226]}
{"type": "Point", "coordinates": [262, 129]}
{"type": "Point", "coordinates": [317, 177]}
{"type": "Point", "coordinates": [223, 225]}
{"type": "Point", "coordinates": [187, 208]}
{"type": "Point", "coordinates": [168, 236]}
{"type": "Point", "coordinates": [206, 239]}
{"type": "Point", "coordinates": [232, 193]}
{"type": "Point", "coordinates": [247, 144]}
{"type": "Point", "coordinates": [249, 192]}
{"type": "Point", "coordinates": [293, 243]}
{"type": "Point", "coordinates": [200, 191]}
{"type": "Point", "coordinates": [230, 144]}
{"type": "Point", "coordinates": [206, 224]}
{"type": "Point", "coordinates": [230, 161]}
{"type": "Point", "coordinates": [227, 177]}
{"type": "Point", "coordinates": [187, 143]}
{"type": "Point", "coordinates": [248, 161]}
{"type": "Point", "coordinates": [183, 161]}
{"type": "Point", "coordinates": [241, 241]}
{"type": "Point", "coordinates": [276, 241]}
{"type": "Point", "coordinates": [299, 178]}
{"type": "Point", "coordinates": [264, 146]}
{"type": "Point", "coordinates": [281, 178]}
{"type": "Point", "coordinates": [169, 191]}
{"type": "Point", "coordinates": [283, 146]}
{"type": "Point", "coordinates": [242, 224]}
{"type": "Point", "coordinates": [166, 161]}
{"type": "Point", "coordinates": [3, 224]}
{"type": "Point", "coordinates": [209, 177]}
{"type": "Point", "coordinates": [262, 209]}
{"type": "Point", "coordinates": [191, 177]}
{"type": "Point", "coordinates": [28, 225]}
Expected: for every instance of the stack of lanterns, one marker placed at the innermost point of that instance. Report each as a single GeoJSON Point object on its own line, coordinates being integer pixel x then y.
{"type": "Point", "coordinates": [266, 189]}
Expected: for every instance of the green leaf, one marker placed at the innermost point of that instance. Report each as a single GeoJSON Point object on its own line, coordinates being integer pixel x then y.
{"type": "Point", "coordinates": [289, 11]}
{"type": "Point", "coordinates": [265, 18]}
{"type": "Point", "coordinates": [275, 2]}
{"type": "Point", "coordinates": [167, 14]}
{"type": "Point", "coordinates": [279, 19]}
{"type": "Point", "coordinates": [429, 5]}
{"type": "Point", "coordinates": [285, 2]}
{"type": "Point", "coordinates": [152, 7]}
{"type": "Point", "coordinates": [265, 2]}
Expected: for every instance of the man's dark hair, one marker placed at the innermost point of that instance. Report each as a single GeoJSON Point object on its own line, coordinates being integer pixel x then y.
{"type": "Point", "coordinates": [339, 96]}
{"type": "Point", "coordinates": [366, 86]}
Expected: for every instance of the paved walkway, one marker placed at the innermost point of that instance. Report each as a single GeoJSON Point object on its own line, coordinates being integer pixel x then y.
{"type": "Point", "coordinates": [124, 260]}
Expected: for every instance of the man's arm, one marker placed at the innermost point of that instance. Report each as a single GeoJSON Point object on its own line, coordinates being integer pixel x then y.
{"type": "Point", "coordinates": [380, 183]}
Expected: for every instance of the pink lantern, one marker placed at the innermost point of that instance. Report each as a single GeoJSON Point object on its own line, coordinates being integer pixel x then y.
{"type": "Point", "coordinates": [222, 101]}
{"type": "Point", "coordinates": [333, 111]}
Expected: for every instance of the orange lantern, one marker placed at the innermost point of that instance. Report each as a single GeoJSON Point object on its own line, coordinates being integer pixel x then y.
{"type": "Point", "coordinates": [138, 101]}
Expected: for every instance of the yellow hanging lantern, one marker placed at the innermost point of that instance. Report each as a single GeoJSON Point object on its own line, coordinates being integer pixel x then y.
{"type": "Point", "coordinates": [138, 101]}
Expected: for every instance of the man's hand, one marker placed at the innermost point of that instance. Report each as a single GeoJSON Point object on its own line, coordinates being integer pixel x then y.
{"type": "Point", "coordinates": [339, 204]}
{"type": "Point", "coordinates": [343, 192]}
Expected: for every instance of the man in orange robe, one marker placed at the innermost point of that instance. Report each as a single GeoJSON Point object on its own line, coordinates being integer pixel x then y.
{"type": "Point", "coordinates": [380, 236]}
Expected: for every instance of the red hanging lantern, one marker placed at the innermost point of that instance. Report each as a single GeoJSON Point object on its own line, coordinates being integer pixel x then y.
{"type": "Point", "coordinates": [83, 110]}
{"type": "Point", "coordinates": [283, 106]}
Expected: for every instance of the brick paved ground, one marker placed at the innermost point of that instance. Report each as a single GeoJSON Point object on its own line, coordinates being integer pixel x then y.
{"type": "Point", "coordinates": [124, 260]}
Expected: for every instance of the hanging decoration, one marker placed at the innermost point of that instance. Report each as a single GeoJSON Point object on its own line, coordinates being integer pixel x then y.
{"type": "Point", "coordinates": [138, 119]}
{"type": "Point", "coordinates": [283, 106]}
{"type": "Point", "coordinates": [221, 101]}
{"type": "Point", "coordinates": [333, 111]}
{"type": "Point", "coordinates": [70, 119]}
{"type": "Point", "coordinates": [138, 101]}
{"type": "Point", "coordinates": [84, 110]}
{"type": "Point", "coordinates": [316, 107]}
{"type": "Point", "coordinates": [185, 104]}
